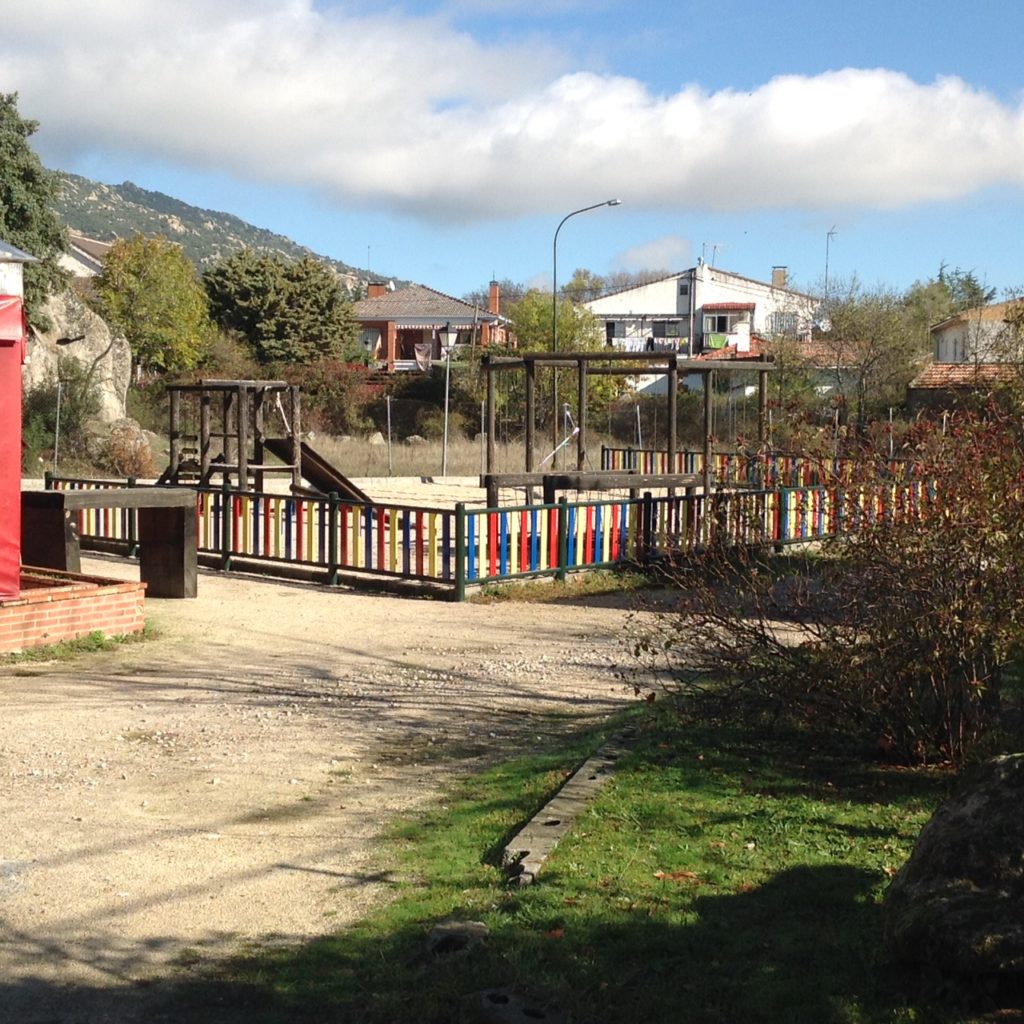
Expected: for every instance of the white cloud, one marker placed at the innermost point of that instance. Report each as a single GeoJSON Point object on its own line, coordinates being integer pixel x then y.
{"type": "Point", "coordinates": [670, 252]}
{"type": "Point", "coordinates": [409, 114]}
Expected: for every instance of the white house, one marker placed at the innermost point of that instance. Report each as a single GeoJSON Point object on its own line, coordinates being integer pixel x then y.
{"type": "Point", "coordinates": [702, 309]}
{"type": "Point", "coordinates": [84, 257]}
{"type": "Point", "coordinates": [988, 334]}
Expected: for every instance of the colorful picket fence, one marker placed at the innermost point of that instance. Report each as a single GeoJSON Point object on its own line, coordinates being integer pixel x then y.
{"type": "Point", "coordinates": [761, 469]}
{"type": "Point", "coordinates": [333, 538]}
{"type": "Point", "coordinates": [337, 535]}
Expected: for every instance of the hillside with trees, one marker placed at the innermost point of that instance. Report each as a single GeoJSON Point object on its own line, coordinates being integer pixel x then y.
{"type": "Point", "coordinates": [109, 212]}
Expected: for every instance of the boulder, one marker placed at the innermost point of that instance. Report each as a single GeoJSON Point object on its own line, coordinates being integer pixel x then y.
{"type": "Point", "coordinates": [76, 331]}
{"type": "Point", "coordinates": [958, 902]}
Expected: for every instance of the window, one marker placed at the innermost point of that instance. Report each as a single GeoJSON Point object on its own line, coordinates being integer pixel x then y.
{"type": "Point", "coordinates": [667, 328]}
{"type": "Point", "coordinates": [684, 287]}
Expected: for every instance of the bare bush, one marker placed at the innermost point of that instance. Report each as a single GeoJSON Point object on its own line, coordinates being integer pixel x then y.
{"type": "Point", "coordinates": [899, 634]}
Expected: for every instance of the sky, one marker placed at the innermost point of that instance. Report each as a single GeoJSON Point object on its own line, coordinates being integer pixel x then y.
{"type": "Point", "coordinates": [444, 141]}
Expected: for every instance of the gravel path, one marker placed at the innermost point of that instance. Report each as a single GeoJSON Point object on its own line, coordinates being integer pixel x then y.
{"type": "Point", "coordinates": [228, 780]}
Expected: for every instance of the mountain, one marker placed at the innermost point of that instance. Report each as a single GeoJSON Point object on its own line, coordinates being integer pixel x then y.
{"type": "Point", "coordinates": [108, 212]}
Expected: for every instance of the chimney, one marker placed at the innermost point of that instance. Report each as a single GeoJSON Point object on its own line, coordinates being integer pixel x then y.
{"type": "Point", "coordinates": [494, 299]}
{"type": "Point", "coordinates": [375, 289]}
{"type": "Point", "coordinates": [780, 277]}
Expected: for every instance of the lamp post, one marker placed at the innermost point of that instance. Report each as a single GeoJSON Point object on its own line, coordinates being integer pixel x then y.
{"type": "Point", "coordinates": [554, 266]}
{"type": "Point", "coordinates": [554, 309]}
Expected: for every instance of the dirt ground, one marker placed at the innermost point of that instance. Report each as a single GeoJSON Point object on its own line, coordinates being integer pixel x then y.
{"type": "Point", "coordinates": [227, 781]}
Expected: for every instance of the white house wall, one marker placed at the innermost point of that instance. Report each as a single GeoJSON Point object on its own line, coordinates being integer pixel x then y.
{"type": "Point", "coordinates": [659, 298]}
{"type": "Point", "coordinates": [966, 342]}
{"type": "Point", "coordinates": [635, 309]}
{"type": "Point", "coordinates": [11, 279]}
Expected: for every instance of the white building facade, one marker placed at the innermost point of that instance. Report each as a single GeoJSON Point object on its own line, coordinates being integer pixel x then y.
{"type": "Point", "coordinates": [703, 309]}
{"type": "Point", "coordinates": [989, 334]}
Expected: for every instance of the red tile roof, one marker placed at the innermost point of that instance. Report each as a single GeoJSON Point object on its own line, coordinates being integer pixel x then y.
{"type": "Point", "coordinates": [943, 376]}
{"type": "Point", "coordinates": [419, 302]}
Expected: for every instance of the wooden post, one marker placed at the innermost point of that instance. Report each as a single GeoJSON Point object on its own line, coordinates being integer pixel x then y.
{"type": "Point", "coordinates": [531, 413]}
{"type": "Point", "coordinates": [242, 418]}
{"type": "Point", "coordinates": [259, 456]}
{"type": "Point", "coordinates": [167, 550]}
{"type": "Point", "coordinates": [709, 378]}
{"type": "Point", "coordinates": [175, 433]}
{"type": "Point", "coordinates": [673, 410]}
{"type": "Point", "coordinates": [226, 431]}
{"type": "Point", "coordinates": [490, 413]}
{"type": "Point", "coordinates": [204, 437]}
{"type": "Point", "coordinates": [581, 394]}
{"type": "Point", "coordinates": [295, 409]}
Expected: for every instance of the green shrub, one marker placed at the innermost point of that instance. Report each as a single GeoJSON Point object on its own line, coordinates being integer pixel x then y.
{"type": "Point", "coordinates": [65, 401]}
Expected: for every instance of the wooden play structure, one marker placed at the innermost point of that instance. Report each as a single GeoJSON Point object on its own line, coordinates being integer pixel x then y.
{"type": "Point", "coordinates": [671, 365]}
{"type": "Point", "coordinates": [239, 432]}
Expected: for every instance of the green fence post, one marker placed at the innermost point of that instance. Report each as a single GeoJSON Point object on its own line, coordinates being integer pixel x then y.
{"type": "Point", "coordinates": [226, 526]}
{"type": "Point", "coordinates": [133, 524]}
{"type": "Point", "coordinates": [460, 551]}
{"type": "Point", "coordinates": [333, 500]}
{"type": "Point", "coordinates": [563, 539]}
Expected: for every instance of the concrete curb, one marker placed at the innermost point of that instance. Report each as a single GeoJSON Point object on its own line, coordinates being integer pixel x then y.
{"type": "Point", "coordinates": [523, 857]}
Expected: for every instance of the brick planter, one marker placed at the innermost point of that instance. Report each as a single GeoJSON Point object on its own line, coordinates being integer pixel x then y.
{"type": "Point", "coordinates": [55, 606]}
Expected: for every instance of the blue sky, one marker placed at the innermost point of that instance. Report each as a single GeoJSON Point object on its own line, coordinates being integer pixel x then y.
{"type": "Point", "coordinates": [443, 141]}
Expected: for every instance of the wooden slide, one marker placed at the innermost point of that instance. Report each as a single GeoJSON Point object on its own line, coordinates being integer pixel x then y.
{"type": "Point", "coordinates": [316, 470]}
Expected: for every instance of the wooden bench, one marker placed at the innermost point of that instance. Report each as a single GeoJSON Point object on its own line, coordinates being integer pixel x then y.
{"type": "Point", "coordinates": [168, 531]}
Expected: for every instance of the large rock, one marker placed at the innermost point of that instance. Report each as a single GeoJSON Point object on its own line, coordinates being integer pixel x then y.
{"type": "Point", "coordinates": [78, 332]}
{"type": "Point", "coordinates": [958, 902]}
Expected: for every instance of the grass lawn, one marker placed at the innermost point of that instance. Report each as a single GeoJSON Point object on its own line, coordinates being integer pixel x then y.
{"type": "Point", "coordinates": [721, 876]}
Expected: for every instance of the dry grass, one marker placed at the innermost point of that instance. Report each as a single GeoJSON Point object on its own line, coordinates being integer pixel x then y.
{"type": "Point", "coordinates": [357, 457]}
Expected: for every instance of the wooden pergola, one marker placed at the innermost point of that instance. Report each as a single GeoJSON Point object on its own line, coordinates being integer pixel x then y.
{"type": "Point", "coordinates": [623, 364]}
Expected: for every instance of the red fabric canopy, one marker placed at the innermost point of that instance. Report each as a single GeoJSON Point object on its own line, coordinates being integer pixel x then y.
{"type": "Point", "coordinates": [12, 355]}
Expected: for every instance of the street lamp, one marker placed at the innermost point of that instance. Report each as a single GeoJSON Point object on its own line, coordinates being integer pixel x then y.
{"type": "Point", "coordinates": [554, 266]}
{"type": "Point", "coordinates": [448, 337]}
{"type": "Point", "coordinates": [554, 308]}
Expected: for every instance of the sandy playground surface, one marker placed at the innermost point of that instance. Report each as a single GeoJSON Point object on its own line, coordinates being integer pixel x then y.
{"type": "Point", "coordinates": [227, 781]}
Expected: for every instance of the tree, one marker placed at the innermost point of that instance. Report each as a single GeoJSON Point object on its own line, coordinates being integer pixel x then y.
{"type": "Point", "coordinates": [583, 286]}
{"type": "Point", "coordinates": [27, 220]}
{"type": "Point", "coordinates": [510, 291]}
{"type": "Point", "coordinates": [148, 291]}
{"type": "Point", "coordinates": [287, 310]}
{"type": "Point", "coordinates": [948, 293]}
{"type": "Point", "coordinates": [872, 349]}
{"type": "Point", "coordinates": [578, 331]}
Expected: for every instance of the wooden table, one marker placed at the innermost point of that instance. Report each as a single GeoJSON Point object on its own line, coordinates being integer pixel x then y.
{"type": "Point", "coordinates": [168, 531]}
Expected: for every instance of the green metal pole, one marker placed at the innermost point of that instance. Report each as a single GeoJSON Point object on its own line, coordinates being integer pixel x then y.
{"type": "Point", "coordinates": [563, 539]}
{"type": "Point", "coordinates": [460, 551]}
